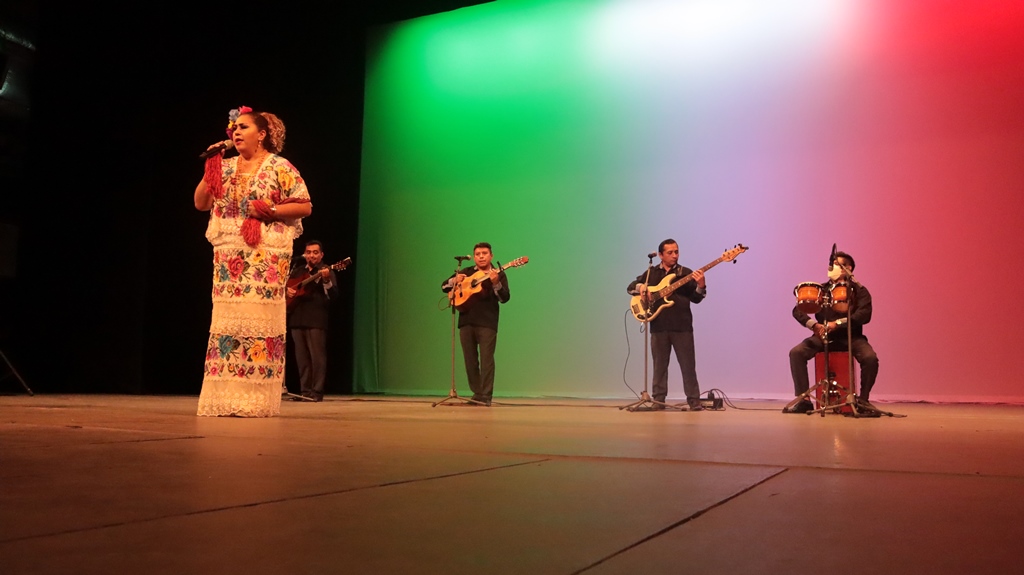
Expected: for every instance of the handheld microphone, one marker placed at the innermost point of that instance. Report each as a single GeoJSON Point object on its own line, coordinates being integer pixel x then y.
{"type": "Point", "coordinates": [217, 148]}
{"type": "Point", "coordinates": [651, 255]}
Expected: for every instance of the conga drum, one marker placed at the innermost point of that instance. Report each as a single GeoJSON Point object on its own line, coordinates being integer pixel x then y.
{"type": "Point", "coordinates": [809, 297]}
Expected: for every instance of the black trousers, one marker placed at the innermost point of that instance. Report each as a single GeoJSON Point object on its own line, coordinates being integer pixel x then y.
{"type": "Point", "coordinates": [311, 358]}
{"type": "Point", "coordinates": [662, 344]}
{"type": "Point", "coordinates": [478, 345]}
{"type": "Point", "coordinates": [862, 352]}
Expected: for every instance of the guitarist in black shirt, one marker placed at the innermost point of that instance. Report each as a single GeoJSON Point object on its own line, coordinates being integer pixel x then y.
{"type": "Point", "coordinates": [478, 322]}
{"type": "Point", "coordinates": [308, 320]}
{"type": "Point", "coordinates": [672, 327]}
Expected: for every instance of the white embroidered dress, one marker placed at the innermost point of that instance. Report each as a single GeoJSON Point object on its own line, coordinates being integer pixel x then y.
{"type": "Point", "coordinates": [245, 354]}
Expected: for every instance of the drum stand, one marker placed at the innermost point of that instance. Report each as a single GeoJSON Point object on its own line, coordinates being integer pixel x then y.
{"type": "Point", "coordinates": [646, 402]}
{"type": "Point", "coordinates": [453, 395]}
{"type": "Point", "coordinates": [858, 408]}
{"type": "Point", "coordinates": [829, 385]}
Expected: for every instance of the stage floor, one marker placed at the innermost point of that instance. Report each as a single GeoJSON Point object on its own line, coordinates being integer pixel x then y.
{"type": "Point", "coordinates": [139, 484]}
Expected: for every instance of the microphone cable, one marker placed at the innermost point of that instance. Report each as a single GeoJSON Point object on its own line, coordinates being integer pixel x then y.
{"type": "Point", "coordinates": [625, 327]}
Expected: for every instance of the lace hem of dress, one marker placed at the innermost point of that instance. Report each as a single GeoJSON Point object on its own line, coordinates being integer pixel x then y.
{"type": "Point", "coordinates": [225, 397]}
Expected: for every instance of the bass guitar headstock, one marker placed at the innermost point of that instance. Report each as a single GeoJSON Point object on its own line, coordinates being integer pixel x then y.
{"type": "Point", "coordinates": [730, 255]}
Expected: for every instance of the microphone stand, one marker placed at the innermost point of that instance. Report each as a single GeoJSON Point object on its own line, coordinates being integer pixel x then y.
{"type": "Point", "coordinates": [10, 367]}
{"type": "Point", "coordinates": [831, 385]}
{"type": "Point", "coordinates": [646, 402]}
{"type": "Point", "coordinates": [826, 384]}
{"type": "Point", "coordinates": [453, 395]}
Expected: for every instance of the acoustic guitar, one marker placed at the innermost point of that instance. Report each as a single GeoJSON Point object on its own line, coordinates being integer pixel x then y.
{"type": "Point", "coordinates": [300, 282]}
{"type": "Point", "coordinates": [462, 294]}
{"type": "Point", "coordinates": [657, 299]}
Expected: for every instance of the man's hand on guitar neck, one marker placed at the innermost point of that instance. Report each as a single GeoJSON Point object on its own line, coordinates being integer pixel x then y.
{"type": "Point", "coordinates": [699, 276]}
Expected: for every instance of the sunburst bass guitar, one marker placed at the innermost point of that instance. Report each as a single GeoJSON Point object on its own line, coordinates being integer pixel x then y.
{"type": "Point", "coordinates": [462, 294]}
{"type": "Point", "coordinates": [646, 309]}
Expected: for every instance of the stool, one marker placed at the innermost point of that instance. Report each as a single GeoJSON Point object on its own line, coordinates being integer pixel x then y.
{"type": "Point", "coordinates": [839, 371]}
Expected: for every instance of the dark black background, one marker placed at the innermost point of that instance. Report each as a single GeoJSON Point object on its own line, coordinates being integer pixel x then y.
{"type": "Point", "coordinates": [110, 291]}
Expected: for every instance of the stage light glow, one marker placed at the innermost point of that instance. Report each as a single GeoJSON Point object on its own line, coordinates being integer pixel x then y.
{"type": "Point", "coordinates": [710, 34]}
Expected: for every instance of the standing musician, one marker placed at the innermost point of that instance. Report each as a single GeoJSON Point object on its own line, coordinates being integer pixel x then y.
{"type": "Point", "coordinates": [673, 326]}
{"type": "Point", "coordinates": [308, 320]}
{"type": "Point", "coordinates": [478, 322]}
{"type": "Point", "coordinates": [828, 322]}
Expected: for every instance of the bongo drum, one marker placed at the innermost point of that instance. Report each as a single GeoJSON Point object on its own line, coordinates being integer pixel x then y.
{"type": "Point", "coordinates": [840, 294]}
{"type": "Point", "coordinates": [809, 297]}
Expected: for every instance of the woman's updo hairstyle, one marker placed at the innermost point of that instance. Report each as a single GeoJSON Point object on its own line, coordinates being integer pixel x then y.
{"type": "Point", "coordinates": [273, 126]}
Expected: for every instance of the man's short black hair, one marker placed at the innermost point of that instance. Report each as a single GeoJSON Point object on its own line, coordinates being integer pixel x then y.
{"type": "Point", "coordinates": [846, 257]}
{"type": "Point", "coordinates": [661, 246]}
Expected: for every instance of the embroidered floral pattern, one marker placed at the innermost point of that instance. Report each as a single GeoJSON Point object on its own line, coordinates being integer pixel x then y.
{"type": "Point", "coordinates": [245, 357]}
{"type": "Point", "coordinates": [245, 371]}
{"type": "Point", "coordinates": [275, 180]}
{"type": "Point", "coordinates": [243, 273]}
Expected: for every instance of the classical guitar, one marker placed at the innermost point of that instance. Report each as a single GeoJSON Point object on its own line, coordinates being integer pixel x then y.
{"type": "Point", "coordinates": [657, 300]}
{"type": "Point", "coordinates": [300, 282]}
{"type": "Point", "coordinates": [462, 294]}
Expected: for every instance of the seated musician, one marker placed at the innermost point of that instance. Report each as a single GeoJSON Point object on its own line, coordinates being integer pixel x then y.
{"type": "Point", "coordinates": [831, 322]}
{"type": "Point", "coordinates": [478, 321]}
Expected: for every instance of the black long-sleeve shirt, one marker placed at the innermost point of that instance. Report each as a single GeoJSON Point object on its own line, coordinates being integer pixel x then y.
{"type": "Point", "coordinates": [310, 310]}
{"type": "Point", "coordinates": [482, 308]}
{"type": "Point", "coordinates": [678, 317]}
{"type": "Point", "coordinates": [860, 312]}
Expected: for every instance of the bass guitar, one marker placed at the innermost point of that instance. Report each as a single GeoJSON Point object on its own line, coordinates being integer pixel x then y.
{"type": "Point", "coordinates": [299, 283]}
{"type": "Point", "coordinates": [646, 309]}
{"type": "Point", "coordinates": [462, 294]}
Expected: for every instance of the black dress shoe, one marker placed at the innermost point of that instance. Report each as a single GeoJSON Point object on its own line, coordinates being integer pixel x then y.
{"type": "Point", "coordinates": [694, 405]}
{"type": "Point", "coordinates": [658, 407]}
{"type": "Point", "coordinates": [803, 406]}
